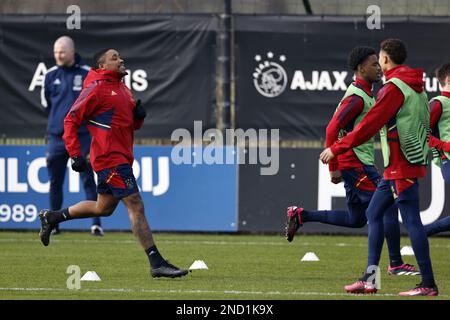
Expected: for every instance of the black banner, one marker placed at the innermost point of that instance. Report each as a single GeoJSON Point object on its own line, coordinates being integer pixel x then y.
{"type": "Point", "coordinates": [304, 182]}
{"type": "Point", "coordinates": [292, 70]}
{"type": "Point", "coordinates": [171, 62]}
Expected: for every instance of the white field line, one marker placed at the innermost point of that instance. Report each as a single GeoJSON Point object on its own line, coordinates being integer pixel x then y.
{"type": "Point", "coordinates": [214, 243]}
{"type": "Point", "coordinates": [221, 292]}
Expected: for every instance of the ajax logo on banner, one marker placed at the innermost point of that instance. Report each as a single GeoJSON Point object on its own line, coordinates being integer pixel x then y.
{"type": "Point", "coordinates": [270, 78]}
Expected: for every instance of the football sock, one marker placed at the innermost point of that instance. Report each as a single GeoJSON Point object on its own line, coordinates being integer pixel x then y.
{"type": "Point", "coordinates": [380, 203]}
{"type": "Point", "coordinates": [154, 257]}
{"type": "Point", "coordinates": [58, 216]}
{"type": "Point", "coordinates": [408, 203]}
{"type": "Point", "coordinates": [355, 218]}
{"type": "Point", "coordinates": [395, 263]}
{"type": "Point", "coordinates": [419, 242]}
{"type": "Point", "coordinates": [366, 277]}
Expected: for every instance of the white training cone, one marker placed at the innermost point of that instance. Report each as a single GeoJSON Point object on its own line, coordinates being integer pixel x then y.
{"type": "Point", "coordinates": [90, 276]}
{"type": "Point", "coordinates": [310, 256]}
{"type": "Point", "coordinates": [198, 264]}
{"type": "Point", "coordinates": [407, 251]}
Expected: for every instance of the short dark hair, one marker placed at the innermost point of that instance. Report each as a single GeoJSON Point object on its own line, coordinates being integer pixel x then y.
{"type": "Point", "coordinates": [395, 49]}
{"type": "Point", "coordinates": [98, 57]}
{"type": "Point", "coordinates": [443, 72]}
{"type": "Point", "coordinates": [358, 55]}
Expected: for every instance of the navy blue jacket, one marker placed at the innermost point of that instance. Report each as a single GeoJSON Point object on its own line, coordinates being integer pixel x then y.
{"type": "Point", "coordinates": [62, 86]}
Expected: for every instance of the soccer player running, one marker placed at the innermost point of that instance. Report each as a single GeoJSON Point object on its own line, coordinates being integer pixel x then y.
{"type": "Point", "coordinates": [356, 165]}
{"type": "Point", "coordinates": [112, 115]}
{"type": "Point", "coordinates": [440, 137]}
{"type": "Point", "coordinates": [62, 86]}
{"type": "Point", "coordinates": [402, 111]}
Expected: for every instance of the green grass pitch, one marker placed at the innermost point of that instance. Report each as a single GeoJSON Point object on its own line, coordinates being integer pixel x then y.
{"type": "Point", "coordinates": [240, 267]}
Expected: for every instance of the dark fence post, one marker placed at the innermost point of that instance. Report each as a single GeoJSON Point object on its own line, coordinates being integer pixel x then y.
{"type": "Point", "coordinates": [223, 67]}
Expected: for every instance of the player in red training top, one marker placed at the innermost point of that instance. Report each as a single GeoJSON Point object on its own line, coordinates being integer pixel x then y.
{"type": "Point", "coordinates": [440, 138]}
{"type": "Point", "coordinates": [107, 106]}
{"type": "Point", "coordinates": [356, 166]}
{"type": "Point", "coordinates": [402, 114]}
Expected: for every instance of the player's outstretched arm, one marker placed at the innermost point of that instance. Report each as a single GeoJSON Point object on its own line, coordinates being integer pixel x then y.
{"type": "Point", "coordinates": [389, 101]}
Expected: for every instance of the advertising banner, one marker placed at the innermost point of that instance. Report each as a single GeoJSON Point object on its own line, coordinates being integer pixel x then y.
{"type": "Point", "coordinates": [169, 59]}
{"type": "Point", "coordinates": [177, 197]}
{"type": "Point", "coordinates": [292, 70]}
{"type": "Point", "coordinates": [304, 181]}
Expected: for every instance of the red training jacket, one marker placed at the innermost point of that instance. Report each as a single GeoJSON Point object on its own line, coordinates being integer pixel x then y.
{"type": "Point", "coordinates": [345, 118]}
{"type": "Point", "coordinates": [106, 106]}
{"type": "Point", "coordinates": [389, 100]}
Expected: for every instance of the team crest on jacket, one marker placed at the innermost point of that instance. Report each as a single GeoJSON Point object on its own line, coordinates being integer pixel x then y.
{"type": "Point", "coordinates": [129, 183]}
{"type": "Point", "coordinates": [77, 82]}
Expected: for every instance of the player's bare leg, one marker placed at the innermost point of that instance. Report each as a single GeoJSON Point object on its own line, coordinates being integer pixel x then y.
{"type": "Point", "coordinates": [139, 224]}
{"type": "Point", "coordinates": [141, 229]}
{"type": "Point", "coordinates": [104, 206]}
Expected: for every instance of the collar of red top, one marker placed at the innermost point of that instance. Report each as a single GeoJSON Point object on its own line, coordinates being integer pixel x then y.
{"type": "Point", "coordinates": [363, 84]}
{"type": "Point", "coordinates": [388, 74]}
{"type": "Point", "coordinates": [413, 77]}
{"type": "Point", "coordinates": [445, 94]}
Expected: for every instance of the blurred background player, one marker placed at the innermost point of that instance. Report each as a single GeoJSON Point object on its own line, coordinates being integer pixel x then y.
{"type": "Point", "coordinates": [112, 115]}
{"type": "Point", "coordinates": [402, 111]}
{"type": "Point", "coordinates": [62, 86]}
{"type": "Point", "coordinates": [356, 165]}
{"type": "Point", "coordinates": [440, 137]}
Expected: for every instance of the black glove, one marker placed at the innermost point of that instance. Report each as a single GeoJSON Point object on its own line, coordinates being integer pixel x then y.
{"type": "Point", "coordinates": [139, 111]}
{"type": "Point", "coordinates": [78, 164]}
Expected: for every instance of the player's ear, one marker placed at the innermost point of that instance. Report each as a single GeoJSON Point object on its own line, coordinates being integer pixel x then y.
{"type": "Point", "coordinates": [360, 68]}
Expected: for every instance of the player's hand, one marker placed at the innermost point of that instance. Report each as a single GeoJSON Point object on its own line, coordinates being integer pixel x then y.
{"type": "Point", "coordinates": [78, 164]}
{"type": "Point", "coordinates": [336, 176]}
{"type": "Point", "coordinates": [139, 111]}
{"type": "Point", "coordinates": [326, 155]}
